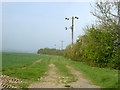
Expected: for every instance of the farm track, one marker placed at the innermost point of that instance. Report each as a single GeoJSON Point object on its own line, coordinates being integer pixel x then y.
{"type": "Point", "coordinates": [50, 81]}
{"type": "Point", "coordinates": [31, 68]}
{"type": "Point", "coordinates": [81, 81]}
{"type": "Point", "coordinates": [53, 79]}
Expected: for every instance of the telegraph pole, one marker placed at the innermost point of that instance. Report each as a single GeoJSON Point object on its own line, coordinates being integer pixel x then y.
{"type": "Point", "coordinates": [62, 45]}
{"type": "Point", "coordinates": [72, 27]}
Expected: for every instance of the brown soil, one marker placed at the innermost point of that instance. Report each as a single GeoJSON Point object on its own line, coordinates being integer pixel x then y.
{"type": "Point", "coordinates": [81, 81]}
{"type": "Point", "coordinates": [49, 81]}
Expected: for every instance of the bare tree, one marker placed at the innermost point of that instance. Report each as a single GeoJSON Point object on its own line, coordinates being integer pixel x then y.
{"type": "Point", "coordinates": [107, 12]}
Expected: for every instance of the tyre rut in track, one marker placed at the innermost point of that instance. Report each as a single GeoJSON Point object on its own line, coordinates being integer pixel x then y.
{"type": "Point", "coordinates": [81, 81]}
{"type": "Point", "coordinates": [49, 81]}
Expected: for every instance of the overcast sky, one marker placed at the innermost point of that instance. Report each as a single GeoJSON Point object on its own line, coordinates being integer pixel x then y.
{"type": "Point", "coordinates": [30, 26]}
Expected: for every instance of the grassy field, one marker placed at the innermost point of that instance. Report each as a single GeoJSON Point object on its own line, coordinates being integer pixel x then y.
{"type": "Point", "coordinates": [12, 60]}
{"type": "Point", "coordinates": [23, 66]}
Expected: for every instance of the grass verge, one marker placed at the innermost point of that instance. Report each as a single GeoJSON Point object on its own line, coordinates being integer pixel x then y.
{"type": "Point", "coordinates": [104, 77]}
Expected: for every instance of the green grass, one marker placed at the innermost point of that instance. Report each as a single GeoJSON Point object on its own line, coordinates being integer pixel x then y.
{"type": "Point", "coordinates": [104, 77]}
{"type": "Point", "coordinates": [67, 85]}
{"type": "Point", "coordinates": [63, 70]}
{"type": "Point", "coordinates": [12, 60]}
{"type": "Point", "coordinates": [30, 73]}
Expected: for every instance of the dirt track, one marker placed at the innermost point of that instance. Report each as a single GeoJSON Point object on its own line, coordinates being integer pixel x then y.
{"type": "Point", "coordinates": [81, 81]}
{"type": "Point", "coordinates": [52, 80]}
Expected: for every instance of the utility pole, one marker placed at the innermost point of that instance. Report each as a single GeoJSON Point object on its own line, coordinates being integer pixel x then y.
{"type": "Point", "coordinates": [62, 45]}
{"type": "Point", "coordinates": [118, 12]}
{"type": "Point", "coordinates": [72, 27]}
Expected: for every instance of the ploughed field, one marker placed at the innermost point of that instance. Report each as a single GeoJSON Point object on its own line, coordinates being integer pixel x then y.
{"type": "Point", "coordinates": [20, 70]}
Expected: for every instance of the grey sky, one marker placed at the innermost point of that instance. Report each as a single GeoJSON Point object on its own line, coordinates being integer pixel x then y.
{"type": "Point", "coordinates": [30, 26]}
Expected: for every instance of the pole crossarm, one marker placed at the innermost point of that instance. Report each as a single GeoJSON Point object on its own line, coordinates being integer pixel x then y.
{"type": "Point", "coordinates": [72, 26]}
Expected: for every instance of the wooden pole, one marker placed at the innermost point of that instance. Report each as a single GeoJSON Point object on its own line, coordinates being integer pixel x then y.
{"type": "Point", "coordinates": [72, 30]}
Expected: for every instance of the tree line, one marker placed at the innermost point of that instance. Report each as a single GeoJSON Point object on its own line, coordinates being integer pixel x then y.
{"type": "Point", "coordinates": [51, 51]}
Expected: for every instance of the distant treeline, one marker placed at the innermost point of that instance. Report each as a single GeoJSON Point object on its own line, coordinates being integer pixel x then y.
{"type": "Point", "coordinates": [51, 51]}
{"type": "Point", "coordinates": [100, 44]}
